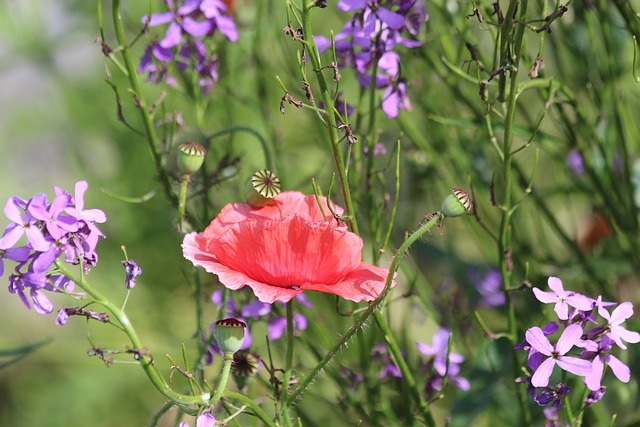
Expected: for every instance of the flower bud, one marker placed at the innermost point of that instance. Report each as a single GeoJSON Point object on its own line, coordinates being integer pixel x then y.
{"type": "Point", "coordinates": [190, 157]}
{"type": "Point", "coordinates": [262, 188]}
{"type": "Point", "coordinates": [457, 204]}
{"type": "Point", "coordinates": [230, 335]}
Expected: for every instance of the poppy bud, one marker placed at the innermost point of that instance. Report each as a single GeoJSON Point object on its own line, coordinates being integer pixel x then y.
{"type": "Point", "coordinates": [230, 335]}
{"type": "Point", "coordinates": [190, 157]}
{"type": "Point", "coordinates": [457, 203]}
{"type": "Point", "coordinates": [262, 188]}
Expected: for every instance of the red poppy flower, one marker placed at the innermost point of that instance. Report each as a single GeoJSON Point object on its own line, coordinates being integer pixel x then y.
{"type": "Point", "coordinates": [283, 249]}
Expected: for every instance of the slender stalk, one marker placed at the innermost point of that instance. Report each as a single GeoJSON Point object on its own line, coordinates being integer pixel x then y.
{"type": "Point", "coordinates": [288, 365]}
{"type": "Point", "coordinates": [146, 361]}
{"type": "Point", "coordinates": [371, 309]}
{"type": "Point", "coordinates": [224, 377]}
{"type": "Point", "coordinates": [143, 108]}
{"type": "Point", "coordinates": [332, 126]}
{"type": "Point", "coordinates": [507, 205]}
{"type": "Point", "coordinates": [407, 376]}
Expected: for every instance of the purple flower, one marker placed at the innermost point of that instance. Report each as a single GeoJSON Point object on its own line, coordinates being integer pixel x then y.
{"type": "Point", "coordinates": [276, 326]}
{"type": "Point", "coordinates": [597, 352]}
{"type": "Point", "coordinates": [594, 396]}
{"type": "Point", "coordinates": [132, 271]}
{"type": "Point", "coordinates": [354, 379]}
{"type": "Point", "coordinates": [20, 254]}
{"type": "Point", "coordinates": [616, 332]}
{"type": "Point", "coordinates": [489, 287]}
{"type": "Point", "coordinates": [203, 420]}
{"type": "Point", "coordinates": [550, 395]}
{"type": "Point", "coordinates": [575, 162]}
{"type": "Point", "coordinates": [51, 229]}
{"type": "Point", "coordinates": [17, 210]}
{"type": "Point", "coordinates": [563, 299]}
{"type": "Point", "coordinates": [556, 355]}
{"type": "Point", "coordinates": [57, 224]}
{"type": "Point", "coordinates": [367, 40]}
{"type": "Point", "coordinates": [444, 364]}
{"type": "Point", "coordinates": [190, 22]}
{"type": "Point", "coordinates": [380, 354]}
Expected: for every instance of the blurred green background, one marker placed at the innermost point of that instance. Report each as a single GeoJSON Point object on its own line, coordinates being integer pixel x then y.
{"type": "Point", "coordinates": [58, 125]}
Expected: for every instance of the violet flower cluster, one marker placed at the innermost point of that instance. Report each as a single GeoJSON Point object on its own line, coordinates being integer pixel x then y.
{"type": "Point", "coordinates": [191, 23]}
{"type": "Point", "coordinates": [367, 43]}
{"type": "Point", "coordinates": [591, 338]}
{"type": "Point", "coordinates": [257, 310]}
{"type": "Point", "coordinates": [60, 228]}
{"type": "Point", "coordinates": [438, 365]}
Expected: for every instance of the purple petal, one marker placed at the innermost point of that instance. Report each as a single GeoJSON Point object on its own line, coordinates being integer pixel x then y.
{"type": "Point", "coordinates": [580, 302]}
{"type": "Point", "coordinates": [619, 369]}
{"type": "Point", "coordinates": [555, 284]}
{"type": "Point", "coordinates": [161, 53]}
{"type": "Point", "coordinates": [539, 341]}
{"type": "Point", "coordinates": [300, 321]}
{"type": "Point", "coordinates": [541, 376]}
{"type": "Point", "coordinates": [424, 349]}
{"type": "Point", "coordinates": [256, 309]}
{"type": "Point", "coordinates": [80, 189]}
{"type": "Point", "coordinates": [12, 234]}
{"type": "Point", "coordinates": [562, 310]}
{"type": "Point", "coordinates": [205, 420]}
{"type": "Point", "coordinates": [41, 303]}
{"type": "Point", "coordinates": [188, 7]}
{"type": "Point", "coordinates": [392, 19]}
{"type": "Point", "coordinates": [569, 338]}
{"type": "Point", "coordinates": [172, 36]}
{"type": "Point", "coordinates": [545, 297]}
{"type": "Point", "coordinates": [212, 8]}
{"type": "Point", "coordinates": [621, 313]}
{"type": "Point", "coordinates": [12, 211]}
{"type": "Point", "coordinates": [303, 300]}
{"type": "Point", "coordinates": [594, 378]}
{"type": "Point", "coordinates": [36, 239]}
{"type": "Point", "coordinates": [390, 103]}
{"type": "Point", "coordinates": [550, 328]}
{"type": "Point", "coordinates": [158, 19]}
{"type": "Point", "coordinates": [349, 5]}
{"type": "Point", "coordinates": [227, 27]}
{"type": "Point", "coordinates": [196, 28]}
{"type": "Point", "coordinates": [276, 327]}
{"type": "Point", "coordinates": [574, 365]}
{"type": "Point", "coordinates": [62, 317]}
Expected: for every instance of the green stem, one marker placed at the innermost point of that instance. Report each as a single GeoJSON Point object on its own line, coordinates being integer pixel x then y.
{"type": "Point", "coordinates": [288, 365]}
{"type": "Point", "coordinates": [266, 149]}
{"type": "Point", "coordinates": [146, 361]}
{"type": "Point", "coordinates": [332, 127]}
{"type": "Point", "coordinates": [407, 376]}
{"type": "Point", "coordinates": [149, 128]}
{"type": "Point", "coordinates": [372, 308]}
{"type": "Point", "coordinates": [504, 240]}
{"type": "Point", "coordinates": [182, 200]}
{"type": "Point", "coordinates": [224, 377]}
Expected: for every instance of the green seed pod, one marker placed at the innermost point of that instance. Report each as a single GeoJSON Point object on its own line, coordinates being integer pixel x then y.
{"type": "Point", "coordinates": [244, 367]}
{"type": "Point", "coordinates": [190, 157]}
{"type": "Point", "coordinates": [230, 335]}
{"type": "Point", "coordinates": [262, 188]}
{"type": "Point", "coordinates": [457, 204]}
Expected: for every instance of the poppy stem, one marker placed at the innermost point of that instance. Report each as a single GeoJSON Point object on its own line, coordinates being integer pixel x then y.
{"type": "Point", "coordinates": [288, 365]}
{"type": "Point", "coordinates": [371, 309]}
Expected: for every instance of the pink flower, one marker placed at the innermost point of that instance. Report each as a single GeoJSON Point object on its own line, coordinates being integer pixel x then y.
{"type": "Point", "coordinates": [283, 249]}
